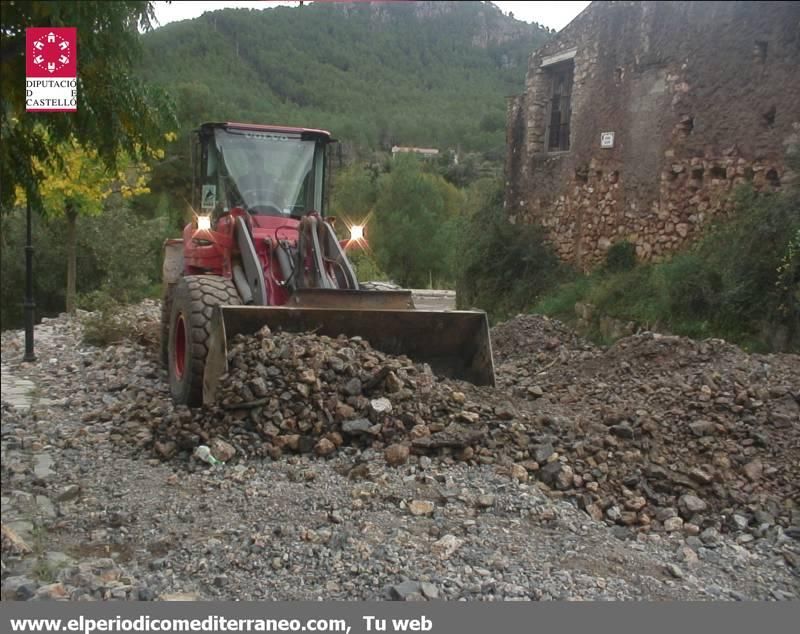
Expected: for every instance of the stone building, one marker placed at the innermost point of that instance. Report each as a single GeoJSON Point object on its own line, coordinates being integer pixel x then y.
{"type": "Point", "coordinates": [639, 119]}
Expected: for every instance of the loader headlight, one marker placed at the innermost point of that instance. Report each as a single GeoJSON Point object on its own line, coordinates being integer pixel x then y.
{"type": "Point", "coordinates": [356, 233]}
{"type": "Point", "coordinates": [203, 223]}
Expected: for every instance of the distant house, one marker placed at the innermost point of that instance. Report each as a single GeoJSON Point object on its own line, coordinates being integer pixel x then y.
{"type": "Point", "coordinates": [426, 152]}
{"type": "Point", "coordinates": [640, 118]}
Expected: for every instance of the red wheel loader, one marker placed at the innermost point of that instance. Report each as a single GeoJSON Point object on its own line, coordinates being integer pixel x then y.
{"type": "Point", "coordinates": [260, 251]}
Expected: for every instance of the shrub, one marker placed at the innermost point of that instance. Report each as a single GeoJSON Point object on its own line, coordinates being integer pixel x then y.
{"type": "Point", "coordinates": [621, 256]}
{"type": "Point", "coordinates": [740, 282]}
{"type": "Point", "coordinates": [119, 252]}
{"type": "Point", "coordinates": [111, 322]}
{"type": "Point", "coordinates": [502, 268]}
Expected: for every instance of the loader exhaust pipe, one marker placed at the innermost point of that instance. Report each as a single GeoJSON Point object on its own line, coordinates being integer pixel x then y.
{"type": "Point", "coordinates": [455, 344]}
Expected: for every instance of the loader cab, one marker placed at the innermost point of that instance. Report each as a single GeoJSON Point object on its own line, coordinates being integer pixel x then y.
{"type": "Point", "coordinates": [265, 170]}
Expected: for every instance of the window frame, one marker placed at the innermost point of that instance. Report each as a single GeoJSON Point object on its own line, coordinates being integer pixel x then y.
{"type": "Point", "coordinates": [560, 85]}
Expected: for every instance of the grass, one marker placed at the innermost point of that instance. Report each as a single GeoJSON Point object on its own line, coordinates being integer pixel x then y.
{"type": "Point", "coordinates": [740, 282]}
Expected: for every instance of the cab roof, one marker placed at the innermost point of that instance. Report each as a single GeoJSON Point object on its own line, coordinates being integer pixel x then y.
{"type": "Point", "coordinates": [305, 133]}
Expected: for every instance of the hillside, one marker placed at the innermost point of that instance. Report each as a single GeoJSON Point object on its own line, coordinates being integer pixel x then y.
{"type": "Point", "coordinates": [377, 74]}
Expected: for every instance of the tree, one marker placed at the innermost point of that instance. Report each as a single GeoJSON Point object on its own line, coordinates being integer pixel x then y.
{"type": "Point", "coordinates": [117, 112]}
{"type": "Point", "coordinates": [80, 186]}
{"type": "Point", "coordinates": [354, 194]}
{"type": "Point", "coordinates": [415, 214]}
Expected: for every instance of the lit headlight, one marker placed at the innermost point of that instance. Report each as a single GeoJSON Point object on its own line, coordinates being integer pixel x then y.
{"type": "Point", "coordinates": [356, 232]}
{"type": "Point", "coordinates": [203, 223]}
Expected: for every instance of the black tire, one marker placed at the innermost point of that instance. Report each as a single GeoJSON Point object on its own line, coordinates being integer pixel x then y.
{"type": "Point", "coordinates": [193, 301]}
{"type": "Point", "coordinates": [166, 313]}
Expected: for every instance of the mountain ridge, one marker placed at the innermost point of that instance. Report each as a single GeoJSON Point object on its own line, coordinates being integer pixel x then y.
{"type": "Point", "coordinates": [376, 74]}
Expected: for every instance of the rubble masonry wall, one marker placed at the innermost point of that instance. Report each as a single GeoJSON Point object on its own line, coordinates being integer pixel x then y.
{"type": "Point", "coordinates": [701, 97]}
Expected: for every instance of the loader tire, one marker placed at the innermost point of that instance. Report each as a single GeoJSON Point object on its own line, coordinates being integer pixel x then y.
{"type": "Point", "coordinates": [193, 300]}
{"type": "Point", "coordinates": [166, 313]}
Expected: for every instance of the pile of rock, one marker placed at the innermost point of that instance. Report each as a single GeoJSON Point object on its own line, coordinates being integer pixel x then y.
{"type": "Point", "coordinates": [90, 580]}
{"type": "Point", "coordinates": [303, 393]}
{"type": "Point", "coordinates": [666, 433]}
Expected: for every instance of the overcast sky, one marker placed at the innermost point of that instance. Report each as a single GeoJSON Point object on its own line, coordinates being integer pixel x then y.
{"type": "Point", "coordinates": [555, 15]}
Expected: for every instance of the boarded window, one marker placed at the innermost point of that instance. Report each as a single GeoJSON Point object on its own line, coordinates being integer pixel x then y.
{"type": "Point", "coordinates": [560, 106]}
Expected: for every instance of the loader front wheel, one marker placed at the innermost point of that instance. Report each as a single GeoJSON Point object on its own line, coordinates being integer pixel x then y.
{"type": "Point", "coordinates": [193, 301]}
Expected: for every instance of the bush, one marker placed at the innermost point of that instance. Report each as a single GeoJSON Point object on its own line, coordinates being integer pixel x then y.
{"type": "Point", "coordinates": [119, 252]}
{"type": "Point", "coordinates": [416, 213]}
{"type": "Point", "coordinates": [621, 256]}
{"type": "Point", "coordinates": [740, 282]}
{"type": "Point", "coordinates": [111, 322]}
{"type": "Point", "coordinates": [502, 268]}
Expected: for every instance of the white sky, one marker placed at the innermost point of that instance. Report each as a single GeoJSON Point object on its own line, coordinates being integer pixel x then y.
{"type": "Point", "coordinates": [555, 15]}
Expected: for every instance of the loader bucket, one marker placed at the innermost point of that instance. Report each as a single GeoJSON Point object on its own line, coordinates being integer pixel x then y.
{"type": "Point", "coordinates": [454, 343]}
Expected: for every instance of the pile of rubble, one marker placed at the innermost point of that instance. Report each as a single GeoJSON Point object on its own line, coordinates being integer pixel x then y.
{"type": "Point", "coordinates": [655, 433]}
{"type": "Point", "coordinates": [667, 433]}
{"type": "Point", "coordinates": [685, 453]}
{"type": "Point", "coordinates": [307, 393]}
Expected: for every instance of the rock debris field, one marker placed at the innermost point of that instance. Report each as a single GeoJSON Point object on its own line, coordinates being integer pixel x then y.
{"type": "Point", "coordinates": [659, 468]}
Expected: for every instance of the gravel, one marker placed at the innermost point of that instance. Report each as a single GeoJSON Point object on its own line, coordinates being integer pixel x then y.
{"type": "Point", "coordinates": [583, 475]}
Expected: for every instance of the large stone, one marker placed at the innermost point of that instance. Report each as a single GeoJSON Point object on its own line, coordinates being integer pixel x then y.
{"type": "Point", "coordinates": [42, 466]}
{"type": "Point", "coordinates": [542, 452]}
{"type": "Point", "coordinates": [429, 591]}
{"type": "Point", "coordinates": [18, 588]}
{"type": "Point", "coordinates": [396, 455]}
{"type": "Point", "coordinates": [258, 386]}
{"type": "Point", "coordinates": [380, 406]}
{"type": "Point", "coordinates": [506, 411]}
{"type": "Point", "coordinates": [221, 450]}
{"type": "Point", "coordinates": [519, 473]}
{"type": "Point", "coordinates": [421, 507]}
{"type": "Point", "coordinates": [393, 383]}
{"type": "Point", "coordinates": [689, 504]}
{"type": "Point", "coordinates": [403, 591]}
{"type": "Point", "coordinates": [702, 427]}
{"type": "Point", "coordinates": [446, 546]}
{"type": "Point", "coordinates": [557, 475]}
{"type": "Point", "coordinates": [673, 524]}
{"type": "Point", "coordinates": [753, 470]}
{"type": "Point", "coordinates": [324, 447]}
{"type": "Point", "coordinates": [51, 592]}
{"type": "Point", "coordinates": [623, 430]}
{"type": "Point", "coordinates": [357, 426]}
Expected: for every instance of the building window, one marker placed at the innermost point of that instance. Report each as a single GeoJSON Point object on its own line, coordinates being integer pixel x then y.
{"type": "Point", "coordinates": [559, 106]}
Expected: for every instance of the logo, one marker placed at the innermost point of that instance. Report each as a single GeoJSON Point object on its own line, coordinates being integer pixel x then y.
{"type": "Point", "coordinates": [51, 64]}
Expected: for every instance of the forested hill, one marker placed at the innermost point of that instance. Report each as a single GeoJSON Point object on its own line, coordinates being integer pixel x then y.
{"type": "Point", "coordinates": [376, 74]}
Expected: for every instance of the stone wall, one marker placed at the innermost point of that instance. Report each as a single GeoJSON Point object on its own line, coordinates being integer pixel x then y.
{"type": "Point", "coordinates": [701, 97]}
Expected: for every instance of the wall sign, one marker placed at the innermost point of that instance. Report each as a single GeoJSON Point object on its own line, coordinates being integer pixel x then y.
{"type": "Point", "coordinates": [606, 139]}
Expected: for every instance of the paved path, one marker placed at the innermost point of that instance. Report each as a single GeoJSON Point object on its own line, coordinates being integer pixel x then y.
{"type": "Point", "coordinates": [16, 391]}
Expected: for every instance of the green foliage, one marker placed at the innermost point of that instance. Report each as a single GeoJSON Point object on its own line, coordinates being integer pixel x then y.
{"type": "Point", "coordinates": [366, 266]}
{"type": "Point", "coordinates": [374, 74]}
{"type": "Point", "coordinates": [741, 282]}
{"type": "Point", "coordinates": [50, 269]}
{"type": "Point", "coordinates": [118, 251]}
{"type": "Point", "coordinates": [116, 111]}
{"type": "Point", "coordinates": [621, 256]}
{"type": "Point", "coordinates": [502, 268]}
{"type": "Point", "coordinates": [354, 194]}
{"type": "Point", "coordinates": [412, 230]}
{"type": "Point", "coordinates": [108, 323]}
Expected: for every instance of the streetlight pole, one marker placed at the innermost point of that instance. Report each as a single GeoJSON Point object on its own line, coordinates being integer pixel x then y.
{"type": "Point", "coordinates": [29, 304]}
